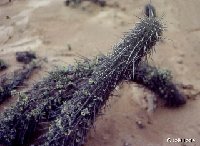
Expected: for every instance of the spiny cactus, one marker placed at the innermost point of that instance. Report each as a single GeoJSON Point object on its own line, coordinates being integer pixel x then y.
{"type": "Point", "coordinates": [47, 96]}
{"type": "Point", "coordinates": [160, 82]}
{"type": "Point", "coordinates": [79, 113]}
{"type": "Point", "coordinates": [149, 10]}
{"type": "Point", "coordinates": [11, 81]}
{"type": "Point", "coordinates": [41, 102]}
{"type": "Point", "coordinates": [17, 122]}
{"type": "Point", "coordinates": [30, 111]}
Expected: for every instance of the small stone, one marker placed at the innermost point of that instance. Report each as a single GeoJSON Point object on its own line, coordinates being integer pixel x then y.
{"type": "Point", "coordinates": [102, 3]}
{"type": "Point", "coordinates": [140, 124]}
{"type": "Point", "coordinates": [127, 144]}
{"type": "Point", "coordinates": [123, 8]}
{"type": "Point", "coordinates": [179, 60]}
{"type": "Point", "coordinates": [182, 55]}
{"type": "Point", "coordinates": [69, 47]}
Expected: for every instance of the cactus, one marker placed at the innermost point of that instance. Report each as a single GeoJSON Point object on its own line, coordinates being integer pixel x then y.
{"type": "Point", "coordinates": [39, 103]}
{"type": "Point", "coordinates": [79, 113]}
{"type": "Point", "coordinates": [160, 82]}
{"type": "Point", "coordinates": [11, 81]}
{"type": "Point", "coordinates": [19, 121]}
{"type": "Point", "coordinates": [149, 10]}
{"type": "Point", "coordinates": [43, 101]}
{"type": "Point", "coordinates": [46, 97]}
{"type": "Point", "coordinates": [84, 89]}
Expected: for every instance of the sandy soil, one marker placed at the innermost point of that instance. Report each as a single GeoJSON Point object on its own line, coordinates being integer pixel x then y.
{"type": "Point", "coordinates": [48, 27]}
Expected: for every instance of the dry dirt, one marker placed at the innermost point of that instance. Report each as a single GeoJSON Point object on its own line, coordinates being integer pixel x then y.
{"type": "Point", "coordinates": [48, 27]}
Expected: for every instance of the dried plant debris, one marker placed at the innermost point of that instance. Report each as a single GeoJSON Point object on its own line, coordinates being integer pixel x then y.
{"type": "Point", "coordinates": [25, 56]}
{"type": "Point", "coordinates": [3, 65]}
{"type": "Point", "coordinates": [9, 82]}
{"type": "Point", "coordinates": [101, 3]}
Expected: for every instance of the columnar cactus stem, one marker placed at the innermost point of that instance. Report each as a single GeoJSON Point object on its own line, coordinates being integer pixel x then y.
{"type": "Point", "coordinates": [11, 81]}
{"type": "Point", "coordinates": [47, 96]}
{"type": "Point", "coordinates": [39, 103]}
{"type": "Point", "coordinates": [84, 89]}
{"type": "Point", "coordinates": [79, 113]}
{"type": "Point", "coordinates": [160, 82]}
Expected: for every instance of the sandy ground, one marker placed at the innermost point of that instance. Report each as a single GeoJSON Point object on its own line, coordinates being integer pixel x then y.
{"type": "Point", "coordinates": [48, 27]}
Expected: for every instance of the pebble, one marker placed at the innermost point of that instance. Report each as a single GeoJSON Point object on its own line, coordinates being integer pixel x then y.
{"type": "Point", "coordinates": [127, 144]}
{"type": "Point", "coordinates": [140, 124]}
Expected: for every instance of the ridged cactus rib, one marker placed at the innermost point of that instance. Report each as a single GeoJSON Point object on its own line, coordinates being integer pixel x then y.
{"type": "Point", "coordinates": [79, 113]}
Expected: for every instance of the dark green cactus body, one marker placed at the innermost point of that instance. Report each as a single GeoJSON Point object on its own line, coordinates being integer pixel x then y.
{"type": "Point", "coordinates": [150, 11]}
{"type": "Point", "coordinates": [19, 123]}
{"type": "Point", "coordinates": [40, 103]}
{"type": "Point", "coordinates": [79, 113]}
{"type": "Point", "coordinates": [10, 82]}
{"type": "Point", "coordinates": [160, 82]}
{"type": "Point", "coordinates": [45, 99]}
{"type": "Point", "coordinates": [85, 88]}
